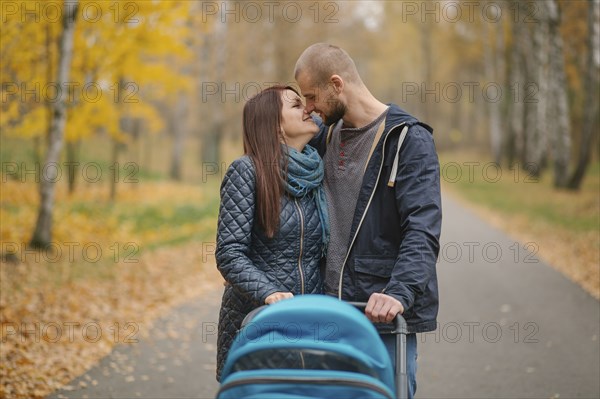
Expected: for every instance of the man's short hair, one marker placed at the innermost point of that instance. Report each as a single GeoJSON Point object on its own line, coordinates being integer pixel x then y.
{"type": "Point", "coordinates": [321, 60]}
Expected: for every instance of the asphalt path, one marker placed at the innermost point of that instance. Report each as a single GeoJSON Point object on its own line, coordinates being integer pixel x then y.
{"type": "Point", "coordinates": [510, 326]}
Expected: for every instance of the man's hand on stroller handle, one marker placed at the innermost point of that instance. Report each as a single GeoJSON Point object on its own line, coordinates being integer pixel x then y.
{"type": "Point", "coordinates": [278, 296]}
{"type": "Point", "coordinates": [383, 308]}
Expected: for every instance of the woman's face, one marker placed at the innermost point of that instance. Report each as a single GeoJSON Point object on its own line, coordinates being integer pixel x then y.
{"type": "Point", "coordinates": [297, 125]}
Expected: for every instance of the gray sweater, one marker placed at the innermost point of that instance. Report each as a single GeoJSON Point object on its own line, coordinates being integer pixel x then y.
{"type": "Point", "coordinates": [345, 161]}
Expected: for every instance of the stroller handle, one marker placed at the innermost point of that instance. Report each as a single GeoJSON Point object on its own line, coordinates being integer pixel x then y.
{"type": "Point", "coordinates": [400, 375]}
{"type": "Point", "coordinates": [399, 322]}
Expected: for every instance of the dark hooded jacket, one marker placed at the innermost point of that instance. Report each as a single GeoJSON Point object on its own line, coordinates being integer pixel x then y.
{"type": "Point", "coordinates": [394, 239]}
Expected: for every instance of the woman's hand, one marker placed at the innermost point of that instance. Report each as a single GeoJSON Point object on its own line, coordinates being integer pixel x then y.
{"type": "Point", "coordinates": [278, 296]}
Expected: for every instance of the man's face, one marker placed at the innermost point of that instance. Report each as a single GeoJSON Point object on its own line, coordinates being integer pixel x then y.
{"type": "Point", "coordinates": [323, 101]}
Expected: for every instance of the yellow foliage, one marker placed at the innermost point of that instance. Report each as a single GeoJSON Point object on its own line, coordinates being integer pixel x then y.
{"type": "Point", "coordinates": [33, 124]}
{"type": "Point", "coordinates": [122, 52]}
{"type": "Point", "coordinates": [10, 113]}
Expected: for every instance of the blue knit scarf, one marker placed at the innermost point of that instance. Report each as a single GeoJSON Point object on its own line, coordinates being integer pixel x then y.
{"type": "Point", "coordinates": [305, 174]}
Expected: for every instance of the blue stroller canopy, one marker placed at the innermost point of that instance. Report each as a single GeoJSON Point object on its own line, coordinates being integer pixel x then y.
{"type": "Point", "coordinates": [310, 340]}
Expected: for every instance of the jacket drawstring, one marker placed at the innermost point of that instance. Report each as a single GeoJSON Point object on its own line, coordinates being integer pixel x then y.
{"type": "Point", "coordinates": [392, 179]}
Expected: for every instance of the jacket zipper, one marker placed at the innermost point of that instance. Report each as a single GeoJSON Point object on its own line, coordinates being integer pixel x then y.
{"type": "Point", "coordinates": [362, 218]}
{"type": "Point", "coordinates": [301, 246]}
{"type": "Point", "coordinates": [308, 380]}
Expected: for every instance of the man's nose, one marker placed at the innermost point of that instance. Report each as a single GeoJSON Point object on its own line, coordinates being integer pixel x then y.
{"type": "Point", "coordinates": [310, 107]}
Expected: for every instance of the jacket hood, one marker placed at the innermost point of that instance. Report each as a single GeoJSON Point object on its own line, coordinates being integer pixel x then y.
{"type": "Point", "coordinates": [397, 116]}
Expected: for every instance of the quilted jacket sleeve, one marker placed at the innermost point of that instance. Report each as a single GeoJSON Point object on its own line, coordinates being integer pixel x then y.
{"type": "Point", "coordinates": [234, 233]}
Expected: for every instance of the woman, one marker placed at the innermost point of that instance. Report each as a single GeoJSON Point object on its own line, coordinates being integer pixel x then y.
{"type": "Point", "coordinates": [273, 225]}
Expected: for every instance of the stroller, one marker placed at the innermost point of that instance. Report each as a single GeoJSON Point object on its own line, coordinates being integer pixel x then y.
{"type": "Point", "coordinates": [313, 346]}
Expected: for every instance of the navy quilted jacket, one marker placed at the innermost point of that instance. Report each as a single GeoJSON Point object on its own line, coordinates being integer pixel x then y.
{"type": "Point", "coordinates": [254, 265]}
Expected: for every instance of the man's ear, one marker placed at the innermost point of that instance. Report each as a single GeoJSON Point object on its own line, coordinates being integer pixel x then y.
{"type": "Point", "coordinates": [337, 83]}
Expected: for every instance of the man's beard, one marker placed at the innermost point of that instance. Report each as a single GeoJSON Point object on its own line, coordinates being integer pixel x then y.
{"type": "Point", "coordinates": [337, 112]}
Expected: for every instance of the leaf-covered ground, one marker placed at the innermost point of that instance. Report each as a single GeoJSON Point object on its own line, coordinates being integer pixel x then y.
{"type": "Point", "coordinates": [64, 309]}
{"type": "Point", "coordinates": [52, 334]}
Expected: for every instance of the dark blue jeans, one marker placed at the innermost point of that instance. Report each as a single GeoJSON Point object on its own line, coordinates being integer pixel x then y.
{"type": "Point", "coordinates": [411, 358]}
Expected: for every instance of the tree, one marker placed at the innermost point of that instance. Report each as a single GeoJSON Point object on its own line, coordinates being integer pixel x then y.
{"type": "Point", "coordinates": [516, 108]}
{"type": "Point", "coordinates": [42, 235]}
{"type": "Point", "coordinates": [133, 51]}
{"type": "Point", "coordinates": [426, 54]}
{"type": "Point", "coordinates": [494, 70]}
{"type": "Point", "coordinates": [216, 123]}
{"type": "Point", "coordinates": [536, 108]}
{"type": "Point", "coordinates": [178, 131]}
{"type": "Point", "coordinates": [592, 70]}
{"type": "Point", "coordinates": [560, 128]}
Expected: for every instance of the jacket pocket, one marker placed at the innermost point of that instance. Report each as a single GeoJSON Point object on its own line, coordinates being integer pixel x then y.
{"type": "Point", "coordinates": [372, 273]}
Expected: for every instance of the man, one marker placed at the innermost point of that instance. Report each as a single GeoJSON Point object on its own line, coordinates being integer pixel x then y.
{"type": "Point", "coordinates": [383, 189]}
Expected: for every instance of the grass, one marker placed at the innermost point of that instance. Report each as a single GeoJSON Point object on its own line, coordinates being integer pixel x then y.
{"type": "Point", "coordinates": [565, 224]}
{"type": "Point", "coordinates": [517, 192]}
{"type": "Point", "coordinates": [152, 215]}
{"type": "Point", "coordinates": [148, 212]}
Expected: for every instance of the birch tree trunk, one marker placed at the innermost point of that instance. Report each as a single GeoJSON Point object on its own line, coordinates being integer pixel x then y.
{"type": "Point", "coordinates": [178, 130]}
{"type": "Point", "coordinates": [137, 142]}
{"type": "Point", "coordinates": [426, 31]}
{"type": "Point", "coordinates": [492, 72]}
{"type": "Point", "coordinates": [535, 101]}
{"type": "Point", "coordinates": [125, 126]}
{"type": "Point", "coordinates": [203, 113]}
{"type": "Point", "coordinates": [49, 76]}
{"type": "Point", "coordinates": [538, 137]}
{"type": "Point", "coordinates": [211, 140]}
{"type": "Point", "coordinates": [42, 235]}
{"type": "Point", "coordinates": [516, 106]}
{"type": "Point", "coordinates": [591, 95]}
{"type": "Point", "coordinates": [500, 68]}
{"type": "Point", "coordinates": [114, 167]}
{"type": "Point", "coordinates": [73, 164]}
{"type": "Point", "coordinates": [560, 128]}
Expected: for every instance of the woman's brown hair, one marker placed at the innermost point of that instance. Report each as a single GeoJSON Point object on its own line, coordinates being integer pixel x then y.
{"type": "Point", "coordinates": [262, 143]}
